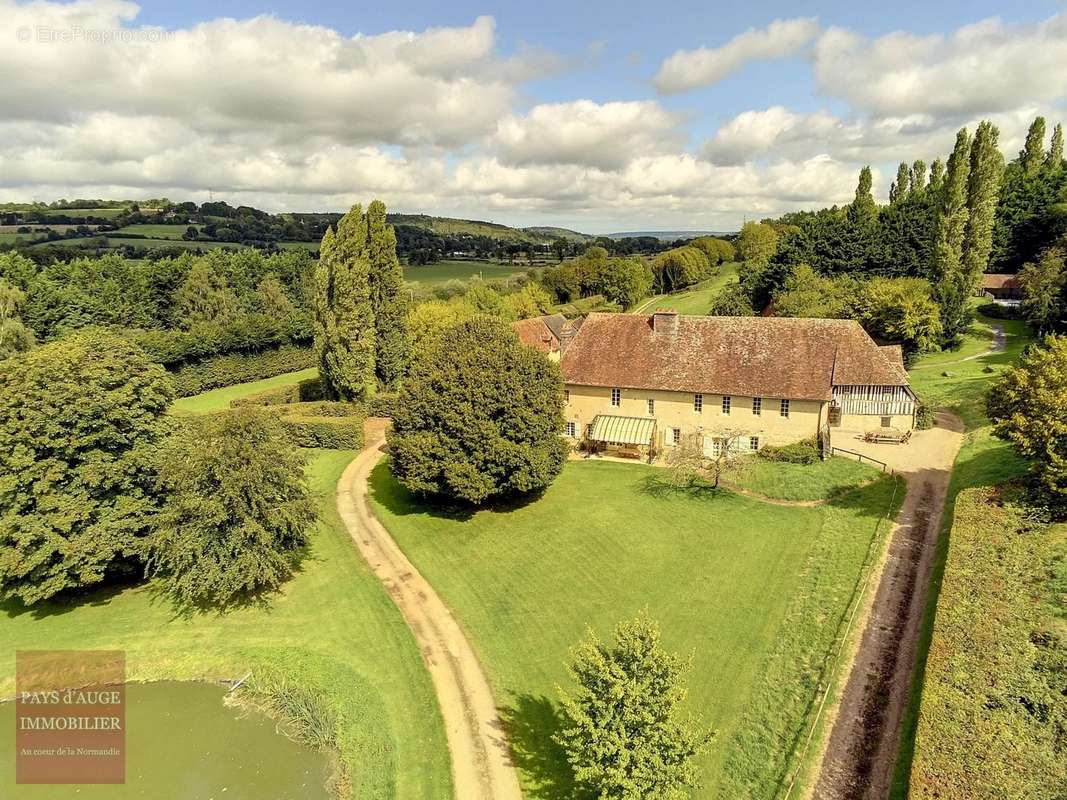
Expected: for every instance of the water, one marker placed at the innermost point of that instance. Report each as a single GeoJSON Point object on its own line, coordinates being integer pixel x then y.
{"type": "Point", "coordinates": [182, 743]}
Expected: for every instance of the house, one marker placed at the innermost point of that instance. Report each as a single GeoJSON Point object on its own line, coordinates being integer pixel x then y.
{"type": "Point", "coordinates": [643, 384]}
{"type": "Point", "coordinates": [547, 334]}
{"type": "Point", "coordinates": [1004, 289]}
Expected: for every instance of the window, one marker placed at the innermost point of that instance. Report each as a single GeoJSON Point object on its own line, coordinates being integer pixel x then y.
{"type": "Point", "coordinates": [571, 429]}
{"type": "Point", "coordinates": [566, 395]}
{"type": "Point", "coordinates": [716, 447]}
{"type": "Point", "coordinates": [785, 408]}
{"type": "Point", "coordinates": [726, 404]}
{"type": "Point", "coordinates": [698, 403]}
{"type": "Point", "coordinates": [676, 435]}
{"type": "Point", "coordinates": [589, 431]}
{"type": "Point", "coordinates": [753, 442]}
{"type": "Point", "coordinates": [651, 406]}
{"type": "Point", "coordinates": [616, 397]}
{"type": "Point", "coordinates": [757, 406]}
{"type": "Point", "coordinates": [887, 422]}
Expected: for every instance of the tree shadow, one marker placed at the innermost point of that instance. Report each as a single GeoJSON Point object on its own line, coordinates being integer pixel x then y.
{"type": "Point", "coordinates": [65, 602]}
{"type": "Point", "coordinates": [662, 489]}
{"type": "Point", "coordinates": [531, 722]}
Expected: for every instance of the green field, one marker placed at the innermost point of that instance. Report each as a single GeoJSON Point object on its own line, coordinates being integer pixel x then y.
{"type": "Point", "coordinates": [754, 591]}
{"type": "Point", "coordinates": [102, 213]}
{"type": "Point", "coordinates": [298, 245]}
{"type": "Point", "coordinates": [333, 625]}
{"type": "Point", "coordinates": [157, 231]}
{"type": "Point", "coordinates": [819, 481]}
{"type": "Point", "coordinates": [444, 271]}
{"type": "Point", "coordinates": [695, 300]}
{"type": "Point", "coordinates": [219, 399]}
{"type": "Point", "coordinates": [9, 238]}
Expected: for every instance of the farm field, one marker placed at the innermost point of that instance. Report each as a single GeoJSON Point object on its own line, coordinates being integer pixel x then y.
{"type": "Point", "coordinates": [332, 627]}
{"type": "Point", "coordinates": [696, 300]}
{"type": "Point", "coordinates": [8, 238]}
{"type": "Point", "coordinates": [753, 590]}
{"type": "Point", "coordinates": [157, 231]}
{"type": "Point", "coordinates": [444, 271]}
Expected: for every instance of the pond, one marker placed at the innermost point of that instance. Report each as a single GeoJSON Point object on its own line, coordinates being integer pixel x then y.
{"type": "Point", "coordinates": [182, 743]}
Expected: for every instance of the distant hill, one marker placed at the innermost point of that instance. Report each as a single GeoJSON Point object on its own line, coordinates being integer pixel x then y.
{"type": "Point", "coordinates": [559, 233]}
{"type": "Point", "coordinates": [449, 226]}
{"type": "Point", "coordinates": [668, 236]}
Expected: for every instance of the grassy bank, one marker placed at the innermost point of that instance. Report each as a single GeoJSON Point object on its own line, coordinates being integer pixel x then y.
{"type": "Point", "coordinates": [753, 590]}
{"type": "Point", "coordinates": [696, 300]}
{"type": "Point", "coordinates": [219, 399]}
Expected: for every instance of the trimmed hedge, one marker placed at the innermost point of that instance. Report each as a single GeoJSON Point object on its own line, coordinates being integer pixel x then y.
{"type": "Point", "coordinates": [993, 720]}
{"type": "Point", "coordinates": [331, 433]}
{"type": "Point", "coordinates": [213, 373]}
{"type": "Point", "coordinates": [805, 452]}
{"type": "Point", "coordinates": [250, 333]}
{"type": "Point", "coordinates": [382, 405]}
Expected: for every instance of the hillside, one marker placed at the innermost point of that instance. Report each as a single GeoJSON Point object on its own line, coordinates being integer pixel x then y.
{"type": "Point", "coordinates": [449, 226]}
{"type": "Point", "coordinates": [668, 236]}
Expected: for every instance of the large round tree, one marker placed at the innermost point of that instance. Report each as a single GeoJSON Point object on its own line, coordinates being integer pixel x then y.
{"type": "Point", "coordinates": [479, 417]}
{"type": "Point", "coordinates": [78, 421]}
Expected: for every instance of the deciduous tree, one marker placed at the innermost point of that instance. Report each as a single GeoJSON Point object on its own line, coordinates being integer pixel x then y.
{"type": "Point", "coordinates": [388, 302]}
{"type": "Point", "coordinates": [952, 286]}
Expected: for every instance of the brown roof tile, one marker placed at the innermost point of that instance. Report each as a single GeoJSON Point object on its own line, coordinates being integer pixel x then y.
{"type": "Point", "coordinates": [993, 280]}
{"type": "Point", "coordinates": [541, 333]}
{"type": "Point", "coordinates": [745, 356]}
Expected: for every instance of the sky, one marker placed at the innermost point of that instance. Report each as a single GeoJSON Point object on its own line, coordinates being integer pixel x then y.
{"type": "Point", "coordinates": [594, 116]}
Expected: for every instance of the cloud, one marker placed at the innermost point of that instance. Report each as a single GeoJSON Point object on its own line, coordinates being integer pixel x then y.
{"type": "Point", "coordinates": [690, 69]}
{"type": "Point", "coordinates": [605, 135]}
{"type": "Point", "coordinates": [983, 68]}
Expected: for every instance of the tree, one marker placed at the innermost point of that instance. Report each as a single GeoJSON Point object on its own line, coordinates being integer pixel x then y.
{"type": "Point", "coordinates": [428, 321]}
{"type": "Point", "coordinates": [386, 280]}
{"type": "Point", "coordinates": [79, 418]}
{"type": "Point", "coordinates": [1044, 286]}
{"type": "Point", "coordinates": [901, 187]}
{"type": "Point", "coordinates": [983, 188]}
{"type": "Point", "coordinates": [918, 176]}
{"type": "Point", "coordinates": [205, 296]}
{"type": "Point", "coordinates": [530, 301]}
{"type": "Point", "coordinates": [757, 243]}
{"type": "Point", "coordinates": [626, 280]}
{"type": "Point", "coordinates": [14, 336]}
{"type": "Point", "coordinates": [731, 301]}
{"type": "Point", "coordinates": [679, 267]}
{"type": "Point", "coordinates": [718, 251]}
{"type": "Point", "coordinates": [808, 294]}
{"type": "Point", "coordinates": [863, 212]}
{"type": "Point", "coordinates": [952, 285]}
{"type": "Point", "coordinates": [1032, 156]}
{"type": "Point", "coordinates": [900, 310]}
{"type": "Point", "coordinates": [479, 417]}
{"type": "Point", "coordinates": [937, 176]}
{"type": "Point", "coordinates": [1054, 159]}
{"type": "Point", "coordinates": [1028, 406]}
{"type": "Point", "coordinates": [235, 513]}
{"type": "Point", "coordinates": [343, 321]}
{"type": "Point", "coordinates": [486, 300]}
{"type": "Point", "coordinates": [624, 733]}
{"type": "Point", "coordinates": [272, 300]}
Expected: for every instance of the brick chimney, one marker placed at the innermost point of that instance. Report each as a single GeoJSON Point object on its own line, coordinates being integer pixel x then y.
{"type": "Point", "coordinates": [665, 321]}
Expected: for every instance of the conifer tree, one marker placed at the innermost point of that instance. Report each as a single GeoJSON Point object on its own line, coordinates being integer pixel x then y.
{"type": "Point", "coordinates": [1054, 159]}
{"type": "Point", "coordinates": [387, 298]}
{"type": "Point", "coordinates": [918, 176]}
{"type": "Point", "coordinates": [344, 318]}
{"type": "Point", "coordinates": [952, 289]}
{"type": "Point", "coordinates": [983, 188]}
{"type": "Point", "coordinates": [900, 188]}
{"type": "Point", "coordinates": [1032, 156]}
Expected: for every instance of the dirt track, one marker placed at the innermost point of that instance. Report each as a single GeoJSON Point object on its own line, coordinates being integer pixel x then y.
{"type": "Point", "coordinates": [481, 759]}
{"type": "Point", "coordinates": [859, 756]}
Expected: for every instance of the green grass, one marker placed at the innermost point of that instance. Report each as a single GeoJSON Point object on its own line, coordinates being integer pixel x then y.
{"type": "Point", "coordinates": [817, 481]}
{"type": "Point", "coordinates": [219, 399]}
{"type": "Point", "coordinates": [9, 238]}
{"type": "Point", "coordinates": [102, 213]}
{"type": "Point", "coordinates": [754, 591]}
{"type": "Point", "coordinates": [157, 231]}
{"type": "Point", "coordinates": [961, 390]}
{"type": "Point", "coordinates": [333, 627]}
{"type": "Point", "coordinates": [299, 245]}
{"type": "Point", "coordinates": [444, 271]}
{"type": "Point", "coordinates": [696, 300]}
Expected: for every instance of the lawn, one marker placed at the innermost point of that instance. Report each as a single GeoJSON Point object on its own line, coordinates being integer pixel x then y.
{"type": "Point", "coordinates": [819, 481]}
{"type": "Point", "coordinates": [444, 271]}
{"type": "Point", "coordinates": [333, 626]}
{"type": "Point", "coordinates": [754, 591]}
{"type": "Point", "coordinates": [695, 300]}
{"type": "Point", "coordinates": [219, 399]}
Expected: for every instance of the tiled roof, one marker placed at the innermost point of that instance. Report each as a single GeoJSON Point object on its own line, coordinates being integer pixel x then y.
{"type": "Point", "coordinates": [541, 333]}
{"type": "Point", "coordinates": [992, 280]}
{"type": "Point", "coordinates": [744, 356]}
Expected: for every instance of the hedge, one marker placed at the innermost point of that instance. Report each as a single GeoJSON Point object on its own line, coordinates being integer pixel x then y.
{"type": "Point", "coordinates": [382, 405]}
{"type": "Point", "coordinates": [993, 719]}
{"type": "Point", "coordinates": [213, 373]}
{"type": "Point", "coordinates": [805, 452]}
{"type": "Point", "coordinates": [331, 433]}
{"type": "Point", "coordinates": [250, 333]}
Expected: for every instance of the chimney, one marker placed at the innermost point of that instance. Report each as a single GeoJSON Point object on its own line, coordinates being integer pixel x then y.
{"type": "Point", "coordinates": [665, 321]}
{"type": "Point", "coordinates": [566, 335]}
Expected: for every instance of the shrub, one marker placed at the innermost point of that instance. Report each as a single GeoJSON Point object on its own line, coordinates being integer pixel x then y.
{"type": "Point", "coordinates": [805, 452]}
{"type": "Point", "coordinates": [236, 510]}
{"type": "Point", "coordinates": [79, 418]}
{"type": "Point", "coordinates": [997, 311]}
{"type": "Point", "coordinates": [383, 405]}
{"type": "Point", "coordinates": [924, 417]}
{"type": "Point", "coordinates": [213, 373]}
{"type": "Point", "coordinates": [330, 433]}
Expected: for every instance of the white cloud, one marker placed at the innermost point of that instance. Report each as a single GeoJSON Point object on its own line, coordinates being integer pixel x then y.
{"type": "Point", "coordinates": [689, 69]}
{"type": "Point", "coordinates": [982, 68]}
{"type": "Point", "coordinates": [606, 135]}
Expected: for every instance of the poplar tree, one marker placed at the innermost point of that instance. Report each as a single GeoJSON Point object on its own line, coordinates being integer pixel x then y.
{"type": "Point", "coordinates": [937, 175]}
{"type": "Point", "coordinates": [951, 288]}
{"type": "Point", "coordinates": [1054, 159]}
{"type": "Point", "coordinates": [1032, 156]}
{"type": "Point", "coordinates": [918, 176]}
{"type": "Point", "coordinates": [983, 189]}
{"type": "Point", "coordinates": [863, 209]}
{"type": "Point", "coordinates": [387, 298]}
{"type": "Point", "coordinates": [344, 317]}
{"type": "Point", "coordinates": [900, 188]}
